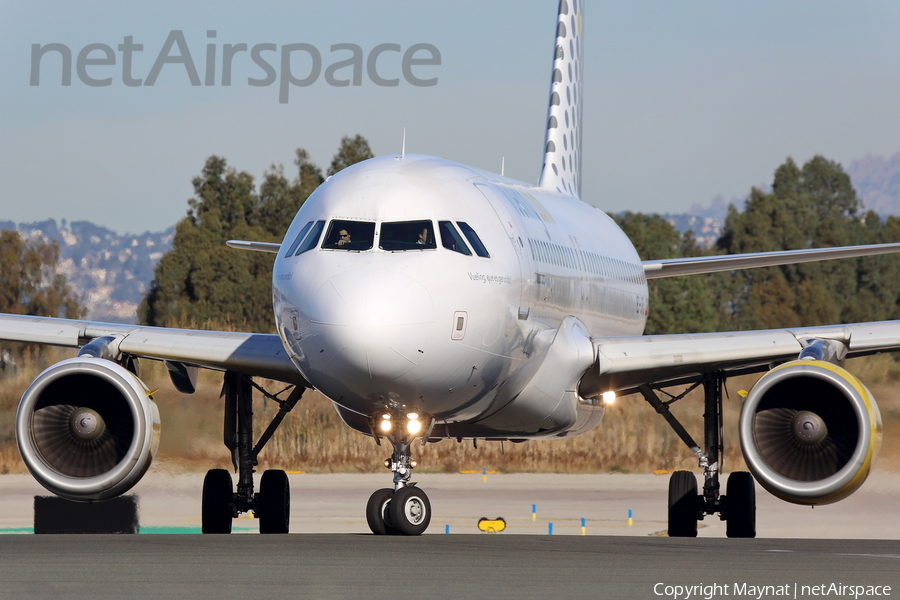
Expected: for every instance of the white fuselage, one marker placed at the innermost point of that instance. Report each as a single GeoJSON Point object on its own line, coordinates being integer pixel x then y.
{"type": "Point", "coordinates": [430, 328]}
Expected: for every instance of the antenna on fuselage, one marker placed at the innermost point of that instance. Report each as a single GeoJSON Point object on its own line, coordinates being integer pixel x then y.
{"type": "Point", "coordinates": [403, 145]}
{"type": "Point", "coordinates": [502, 166]}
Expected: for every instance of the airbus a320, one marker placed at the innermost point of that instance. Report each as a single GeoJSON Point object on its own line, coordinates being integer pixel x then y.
{"type": "Point", "coordinates": [430, 300]}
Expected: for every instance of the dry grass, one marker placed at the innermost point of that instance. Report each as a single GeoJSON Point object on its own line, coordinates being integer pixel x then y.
{"type": "Point", "coordinates": [631, 437]}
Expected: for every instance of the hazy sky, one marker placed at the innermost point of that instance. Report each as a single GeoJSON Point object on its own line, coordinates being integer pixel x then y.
{"type": "Point", "coordinates": [684, 100]}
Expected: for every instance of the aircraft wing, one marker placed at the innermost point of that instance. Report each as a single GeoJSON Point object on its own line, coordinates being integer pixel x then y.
{"type": "Point", "coordinates": [255, 354]}
{"type": "Point", "coordinates": [673, 267]}
{"type": "Point", "coordinates": [624, 363]}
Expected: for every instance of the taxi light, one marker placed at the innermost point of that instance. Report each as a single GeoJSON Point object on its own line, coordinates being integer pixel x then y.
{"type": "Point", "coordinates": [609, 397]}
{"type": "Point", "coordinates": [387, 463]}
{"type": "Point", "coordinates": [412, 416]}
{"type": "Point", "coordinates": [386, 417]}
{"type": "Point", "coordinates": [413, 464]}
{"type": "Point", "coordinates": [386, 425]}
{"type": "Point", "coordinates": [413, 426]}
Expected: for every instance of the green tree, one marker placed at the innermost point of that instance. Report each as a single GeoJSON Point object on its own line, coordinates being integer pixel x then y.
{"type": "Point", "coordinates": [30, 283]}
{"type": "Point", "coordinates": [353, 150]}
{"type": "Point", "coordinates": [677, 304]}
{"type": "Point", "coordinates": [280, 199]}
{"type": "Point", "coordinates": [810, 207]}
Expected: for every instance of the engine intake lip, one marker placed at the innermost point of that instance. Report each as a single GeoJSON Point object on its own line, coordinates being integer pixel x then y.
{"type": "Point", "coordinates": [852, 468]}
{"type": "Point", "coordinates": [128, 470]}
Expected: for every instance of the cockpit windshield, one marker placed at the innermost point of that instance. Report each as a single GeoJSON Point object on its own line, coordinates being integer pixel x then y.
{"type": "Point", "coordinates": [349, 235]}
{"type": "Point", "coordinates": [407, 235]}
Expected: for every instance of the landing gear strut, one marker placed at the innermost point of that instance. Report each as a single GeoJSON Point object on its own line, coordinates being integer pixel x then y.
{"type": "Point", "coordinates": [221, 503]}
{"type": "Point", "coordinates": [405, 509]}
{"type": "Point", "coordinates": [686, 506]}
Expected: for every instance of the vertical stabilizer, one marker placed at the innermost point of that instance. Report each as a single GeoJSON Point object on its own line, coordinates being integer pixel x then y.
{"type": "Point", "coordinates": [562, 144]}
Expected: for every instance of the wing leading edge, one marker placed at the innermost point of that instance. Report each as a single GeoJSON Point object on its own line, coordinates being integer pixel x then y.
{"type": "Point", "coordinates": [625, 363]}
{"type": "Point", "coordinates": [673, 267]}
{"type": "Point", "coordinates": [254, 354]}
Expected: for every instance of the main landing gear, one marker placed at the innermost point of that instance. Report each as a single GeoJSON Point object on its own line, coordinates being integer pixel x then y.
{"type": "Point", "coordinates": [737, 507]}
{"type": "Point", "coordinates": [272, 504]}
{"type": "Point", "coordinates": [403, 509]}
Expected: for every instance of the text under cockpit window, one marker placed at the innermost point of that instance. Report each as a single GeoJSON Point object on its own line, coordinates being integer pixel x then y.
{"type": "Point", "coordinates": [349, 235]}
{"type": "Point", "coordinates": [407, 235]}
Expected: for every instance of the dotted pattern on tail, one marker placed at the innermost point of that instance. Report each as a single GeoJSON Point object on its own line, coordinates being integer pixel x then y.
{"type": "Point", "coordinates": [562, 145]}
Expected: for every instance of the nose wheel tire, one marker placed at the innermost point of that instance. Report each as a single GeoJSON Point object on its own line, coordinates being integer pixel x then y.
{"type": "Point", "coordinates": [216, 512]}
{"type": "Point", "coordinates": [410, 511]}
{"type": "Point", "coordinates": [377, 514]}
{"type": "Point", "coordinates": [274, 502]}
{"type": "Point", "coordinates": [682, 504]}
{"type": "Point", "coordinates": [740, 495]}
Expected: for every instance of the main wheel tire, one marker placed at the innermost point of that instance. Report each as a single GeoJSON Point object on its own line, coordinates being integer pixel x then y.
{"type": "Point", "coordinates": [218, 490]}
{"type": "Point", "coordinates": [682, 504]}
{"type": "Point", "coordinates": [410, 511]}
{"type": "Point", "coordinates": [274, 502]}
{"type": "Point", "coordinates": [740, 505]}
{"type": "Point", "coordinates": [377, 514]}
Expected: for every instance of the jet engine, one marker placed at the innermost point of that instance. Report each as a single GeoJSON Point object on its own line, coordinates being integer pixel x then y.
{"type": "Point", "coordinates": [87, 429]}
{"type": "Point", "coordinates": [810, 432]}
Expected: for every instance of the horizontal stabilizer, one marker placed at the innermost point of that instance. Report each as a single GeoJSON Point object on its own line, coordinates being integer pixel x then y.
{"type": "Point", "coordinates": [257, 246]}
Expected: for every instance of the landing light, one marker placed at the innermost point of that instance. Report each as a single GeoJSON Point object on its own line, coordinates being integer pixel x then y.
{"type": "Point", "coordinates": [413, 426]}
{"type": "Point", "coordinates": [609, 397]}
{"type": "Point", "coordinates": [386, 425]}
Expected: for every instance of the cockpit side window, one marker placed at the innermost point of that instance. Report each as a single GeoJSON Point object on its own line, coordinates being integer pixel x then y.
{"type": "Point", "coordinates": [473, 238]}
{"type": "Point", "coordinates": [312, 239]}
{"type": "Point", "coordinates": [451, 239]}
{"type": "Point", "coordinates": [407, 235]}
{"type": "Point", "coordinates": [299, 238]}
{"type": "Point", "coordinates": [349, 235]}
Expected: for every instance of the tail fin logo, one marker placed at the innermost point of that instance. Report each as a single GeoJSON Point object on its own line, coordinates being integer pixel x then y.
{"type": "Point", "coordinates": [562, 145]}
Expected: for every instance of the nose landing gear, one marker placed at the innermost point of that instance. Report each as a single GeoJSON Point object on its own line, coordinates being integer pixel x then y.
{"type": "Point", "coordinates": [405, 509]}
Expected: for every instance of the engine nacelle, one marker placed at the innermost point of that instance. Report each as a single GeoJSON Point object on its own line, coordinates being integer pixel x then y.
{"type": "Point", "coordinates": [810, 432]}
{"type": "Point", "coordinates": [87, 429]}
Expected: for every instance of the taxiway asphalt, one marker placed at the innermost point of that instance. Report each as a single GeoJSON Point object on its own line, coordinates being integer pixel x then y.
{"type": "Point", "coordinates": [331, 555]}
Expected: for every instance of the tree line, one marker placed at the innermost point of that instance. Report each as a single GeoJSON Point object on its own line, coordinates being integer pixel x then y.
{"type": "Point", "coordinates": [813, 206]}
{"type": "Point", "coordinates": [203, 283]}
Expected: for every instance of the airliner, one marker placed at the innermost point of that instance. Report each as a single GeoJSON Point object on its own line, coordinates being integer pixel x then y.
{"type": "Point", "coordinates": [430, 300]}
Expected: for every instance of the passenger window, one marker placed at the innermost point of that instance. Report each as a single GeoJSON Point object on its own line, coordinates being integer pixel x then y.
{"type": "Point", "coordinates": [451, 240]}
{"type": "Point", "coordinates": [296, 243]}
{"type": "Point", "coordinates": [475, 241]}
{"type": "Point", "coordinates": [349, 235]}
{"type": "Point", "coordinates": [312, 239]}
{"type": "Point", "coordinates": [407, 235]}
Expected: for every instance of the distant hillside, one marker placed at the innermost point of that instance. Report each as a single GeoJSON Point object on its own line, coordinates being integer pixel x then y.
{"type": "Point", "coordinates": [877, 182]}
{"type": "Point", "coordinates": [111, 272]}
{"type": "Point", "coordinates": [875, 179]}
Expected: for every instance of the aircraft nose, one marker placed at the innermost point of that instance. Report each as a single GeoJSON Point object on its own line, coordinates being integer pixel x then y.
{"type": "Point", "coordinates": [372, 322]}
